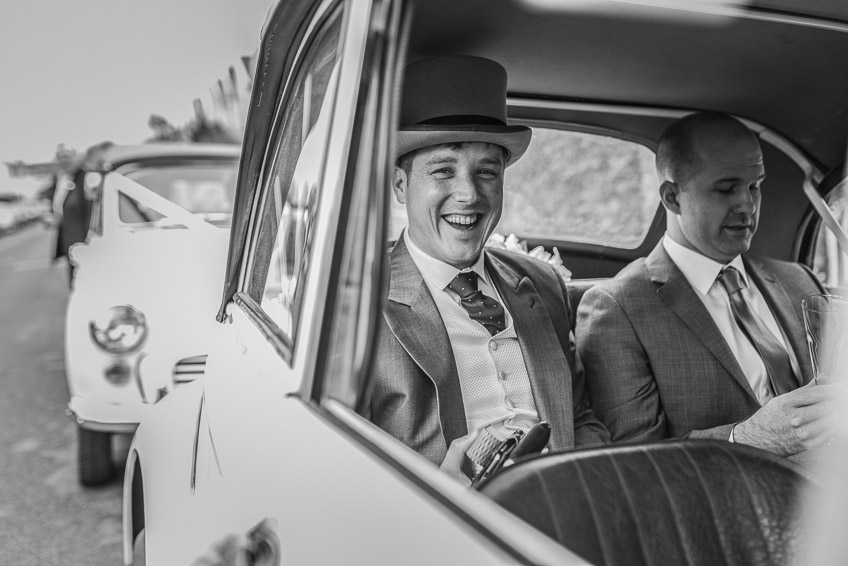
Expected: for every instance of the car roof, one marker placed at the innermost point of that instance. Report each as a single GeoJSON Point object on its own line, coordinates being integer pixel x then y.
{"type": "Point", "coordinates": [778, 63]}
{"type": "Point", "coordinates": [118, 155]}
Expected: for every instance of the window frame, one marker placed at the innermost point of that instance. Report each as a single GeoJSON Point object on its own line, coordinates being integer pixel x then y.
{"type": "Point", "coordinates": [283, 344]}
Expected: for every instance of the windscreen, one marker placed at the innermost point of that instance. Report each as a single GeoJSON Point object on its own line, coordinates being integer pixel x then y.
{"type": "Point", "coordinates": [205, 188]}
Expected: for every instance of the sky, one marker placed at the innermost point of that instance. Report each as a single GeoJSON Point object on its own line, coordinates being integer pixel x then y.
{"type": "Point", "coordinates": [80, 72]}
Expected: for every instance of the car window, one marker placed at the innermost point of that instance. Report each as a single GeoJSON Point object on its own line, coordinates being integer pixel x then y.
{"type": "Point", "coordinates": [200, 188]}
{"type": "Point", "coordinates": [831, 262]}
{"type": "Point", "coordinates": [292, 190]}
{"type": "Point", "coordinates": [576, 187]}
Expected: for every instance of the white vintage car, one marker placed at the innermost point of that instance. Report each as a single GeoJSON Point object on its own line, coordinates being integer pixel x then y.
{"type": "Point", "coordinates": [138, 316]}
{"type": "Point", "coordinates": [271, 448]}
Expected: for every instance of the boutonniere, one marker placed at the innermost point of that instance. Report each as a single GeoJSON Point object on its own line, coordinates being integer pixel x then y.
{"type": "Point", "coordinates": [513, 244]}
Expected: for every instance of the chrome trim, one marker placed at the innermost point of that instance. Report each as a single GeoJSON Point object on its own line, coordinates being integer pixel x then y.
{"type": "Point", "coordinates": [720, 8]}
{"type": "Point", "coordinates": [97, 426]}
{"type": "Point", "coordinates": [188, 369]}
{"type": "Point", "coordinates": [126, 509]}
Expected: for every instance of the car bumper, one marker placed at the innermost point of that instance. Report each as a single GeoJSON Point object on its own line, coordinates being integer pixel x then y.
{"type": "Point", "coordinates": [103, 416]}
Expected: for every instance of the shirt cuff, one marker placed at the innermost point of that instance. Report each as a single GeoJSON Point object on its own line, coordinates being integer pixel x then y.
{"type": "Point", "coordinates": [730, 439]}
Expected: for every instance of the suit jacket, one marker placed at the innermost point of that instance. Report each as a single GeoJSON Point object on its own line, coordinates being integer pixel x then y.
{"type": "Point", "coordinates": [416, 395]}
{"type": "Point", "coordinates": [657, 365]}
{"type": "Point", "coordinates": [76, 216]}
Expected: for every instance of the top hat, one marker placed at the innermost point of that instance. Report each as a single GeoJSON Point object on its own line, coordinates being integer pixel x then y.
{"type": "Point", "coordinates": [457, 99]}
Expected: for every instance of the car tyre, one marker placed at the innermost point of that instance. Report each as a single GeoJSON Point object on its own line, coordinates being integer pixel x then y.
{"type": "Point", "coordinates": [94, 457]}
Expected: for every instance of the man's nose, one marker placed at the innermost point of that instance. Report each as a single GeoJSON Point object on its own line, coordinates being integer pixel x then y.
{"type": "Point", "coordinates": [466, 189]}
{"type": "Point", "coordinates": [747, 202]}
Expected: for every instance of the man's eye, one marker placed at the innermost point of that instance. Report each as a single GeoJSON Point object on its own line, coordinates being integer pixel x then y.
{"type": "Point", "coordinates": [444, 171]}
{"type": "Point", "coordinates": [488, 173]}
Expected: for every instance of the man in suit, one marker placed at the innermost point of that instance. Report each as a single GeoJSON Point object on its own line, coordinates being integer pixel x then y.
{"type": "Point", "coordinates": [472, 341]}
{"type": "Point", "coordinates": [698, 339]}
{"type": "Point", "coordinates": [72, 203]}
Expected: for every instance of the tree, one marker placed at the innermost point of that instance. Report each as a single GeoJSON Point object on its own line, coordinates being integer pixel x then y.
{"type": "Point", "coordinates": [163, 130]}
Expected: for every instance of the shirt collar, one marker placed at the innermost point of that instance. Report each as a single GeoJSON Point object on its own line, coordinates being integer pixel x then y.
{"type": "Point", "coordinates": [699, 270]}
{"type": "Point", "coordinates": [437, 272]}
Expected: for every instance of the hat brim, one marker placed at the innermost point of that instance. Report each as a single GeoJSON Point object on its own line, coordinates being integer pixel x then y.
{"type": "Point", "coordinates": [514, 138]}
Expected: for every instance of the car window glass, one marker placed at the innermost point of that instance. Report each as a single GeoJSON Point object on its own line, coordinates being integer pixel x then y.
{"type": "Point", "coordinates": [294, 183]}
{"type": "Point", "coordinates": [200, 188]}
{"type": "Point", "coordinates": [831, 262]}
{"type": "Point", "coordinates": [576, 187]}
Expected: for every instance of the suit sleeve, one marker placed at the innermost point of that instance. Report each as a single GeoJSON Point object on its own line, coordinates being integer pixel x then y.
{"type": "Point", "coordinates": [619, 378]}
{"type": "Point", "coordinates": [588, 428]}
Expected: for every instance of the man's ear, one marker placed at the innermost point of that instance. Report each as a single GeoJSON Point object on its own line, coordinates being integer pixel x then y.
{"type": "Point", "coordinates": [669, 195]}
{"type": "Point", "coordinates": [400, 182]}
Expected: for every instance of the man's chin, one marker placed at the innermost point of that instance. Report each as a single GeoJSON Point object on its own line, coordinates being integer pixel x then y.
{"type": "Point", "coordinates": [461, 258]}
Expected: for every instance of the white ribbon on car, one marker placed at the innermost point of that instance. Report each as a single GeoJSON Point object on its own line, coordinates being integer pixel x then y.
{"type": "Point", "coordinates": [174, 212]}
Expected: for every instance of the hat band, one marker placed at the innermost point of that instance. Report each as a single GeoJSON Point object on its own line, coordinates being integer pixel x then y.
{"type": "Point", "coordinates": [461, 120]}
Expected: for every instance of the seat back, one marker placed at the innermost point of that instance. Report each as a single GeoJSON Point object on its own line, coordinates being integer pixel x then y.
{"type": "Point", "coordinates": [690, 502]}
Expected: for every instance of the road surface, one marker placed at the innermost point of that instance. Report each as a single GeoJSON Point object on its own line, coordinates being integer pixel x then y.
{"type": "Point", "coordinates": [46, 518]}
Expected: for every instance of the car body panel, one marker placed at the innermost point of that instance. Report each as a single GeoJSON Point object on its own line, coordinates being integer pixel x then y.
{"type": "Point", "coordinates": [167, 272]}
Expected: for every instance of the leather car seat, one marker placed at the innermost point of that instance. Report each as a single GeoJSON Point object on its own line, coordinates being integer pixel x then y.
{"type": "Point", "coordinates": [687, 502]}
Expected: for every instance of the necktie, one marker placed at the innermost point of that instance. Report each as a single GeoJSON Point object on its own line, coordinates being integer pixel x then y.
{"type": "Point", "coordinates": [480, 307]}
{"type": "Point", "coordinates": [771, 351]}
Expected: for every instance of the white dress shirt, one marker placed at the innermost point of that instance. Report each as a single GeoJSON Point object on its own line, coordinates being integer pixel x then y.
{"type": "Point", "coordinates": [701, 273]}
{"type": "Point", "coordinates": [493, 378]}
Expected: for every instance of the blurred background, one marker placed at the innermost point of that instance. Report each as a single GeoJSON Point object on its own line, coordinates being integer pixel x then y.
{"type": "Point", "coordinates": [76, 73]}
{"type": "Point", "coordinates": [79, 72]}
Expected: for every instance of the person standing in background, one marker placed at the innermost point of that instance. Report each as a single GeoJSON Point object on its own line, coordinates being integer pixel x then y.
{"type": "Point", "coordinates": [71, 204]}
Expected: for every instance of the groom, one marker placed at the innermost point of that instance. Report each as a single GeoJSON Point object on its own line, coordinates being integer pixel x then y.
{"type": "Point", "coordinates": [472, 341]}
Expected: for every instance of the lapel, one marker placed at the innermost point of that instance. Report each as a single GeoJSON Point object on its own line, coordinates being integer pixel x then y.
{"type": "Point", "coordinates": [414, 319]}
{"type": "Point", "coordinates": [785, 311]}
{"type": "Point", "coordinates": [678, 294]}
{"type": "Point", "coordinates": [547, 366]}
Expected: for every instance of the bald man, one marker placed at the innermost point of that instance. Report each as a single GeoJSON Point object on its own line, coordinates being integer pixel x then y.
{"type": "Point", "coordinates": [699, 339]}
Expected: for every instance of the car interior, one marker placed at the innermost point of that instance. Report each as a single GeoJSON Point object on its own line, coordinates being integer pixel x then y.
{"type": "Point", "coordinates": [599, 83]}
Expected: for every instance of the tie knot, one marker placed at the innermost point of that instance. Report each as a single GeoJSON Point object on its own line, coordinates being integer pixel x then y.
{"type": "Point", "coordinates": [731, 279]}
{"type": "Point", "coordinates": [464, 284]}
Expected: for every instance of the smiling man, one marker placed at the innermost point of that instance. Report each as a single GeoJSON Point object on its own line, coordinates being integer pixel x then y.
{"type": "Point", "coordinates": [698, 339]}
{"type": "Point", "coordinates": [474, 342]}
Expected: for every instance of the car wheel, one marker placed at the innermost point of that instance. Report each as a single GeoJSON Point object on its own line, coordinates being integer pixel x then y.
{"type": "Point", "coordinates": [95, 457]}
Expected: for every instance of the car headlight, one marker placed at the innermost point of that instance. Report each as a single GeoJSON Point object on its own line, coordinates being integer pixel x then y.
{"type": "Point", "coordinates": [119, 329]}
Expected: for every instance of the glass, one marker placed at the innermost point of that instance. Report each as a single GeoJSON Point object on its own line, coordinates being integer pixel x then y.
{"type": "Point", "coordinates": [831, 262]}
{"type": "Point", "coordinates": [286, 231]}
{"type": "Point", "coordinates": [826, 324]}
{"type": "Point", "coordinates": [200, 187]}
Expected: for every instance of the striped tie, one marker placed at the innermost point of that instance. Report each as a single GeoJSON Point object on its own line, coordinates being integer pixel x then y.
{"type": "Point", "coordinates": [771, 351]}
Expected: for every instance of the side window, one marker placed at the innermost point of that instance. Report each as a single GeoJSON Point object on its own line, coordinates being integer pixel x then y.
{"type": "Point", "coordinates": [579, 187]}
{"type": "Point", "coordinates": [576, 187]}
{"type": "Point", "coordinates": [292, 188]}
{"type": "Point", "coordinates": [831, 261]}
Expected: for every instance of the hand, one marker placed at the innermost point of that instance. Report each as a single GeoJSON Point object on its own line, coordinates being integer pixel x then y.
{"type": "Point", "coordinates": [452, 464]}
{"type": "Point", "coordinates": [794, 422]}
